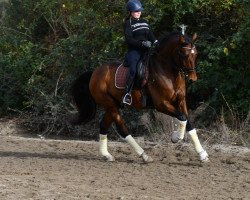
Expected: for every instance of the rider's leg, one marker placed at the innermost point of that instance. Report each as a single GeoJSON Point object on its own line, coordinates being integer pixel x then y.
{"type": "Point", "coordinates": [127, 98]}
{"type": "Point", "coordinates": [132, 58]}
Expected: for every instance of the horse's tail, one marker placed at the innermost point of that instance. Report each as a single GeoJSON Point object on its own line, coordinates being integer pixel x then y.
{"type": "Point", "coordinates": [85, 103]}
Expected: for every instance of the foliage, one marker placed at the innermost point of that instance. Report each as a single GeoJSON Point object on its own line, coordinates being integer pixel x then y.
{"type": "Point", "coordinates": [224, 63]}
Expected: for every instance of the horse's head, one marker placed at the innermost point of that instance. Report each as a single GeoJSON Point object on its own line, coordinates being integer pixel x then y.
{"type": "Point", "coordinates": [185, 56]}
{"type": "Point", "coordinates": [177, 51]}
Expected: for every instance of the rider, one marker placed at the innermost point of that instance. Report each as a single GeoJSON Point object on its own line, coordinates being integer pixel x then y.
{"type": "Point", "coordinates": [139, 39]}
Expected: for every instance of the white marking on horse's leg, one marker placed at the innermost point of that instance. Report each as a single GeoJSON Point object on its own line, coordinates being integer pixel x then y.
{"type": "Point", "coordinates": [179, 134]}
{"type": "Point", "coordinates": [103, 148]}
{"type": "Point", "coordinates": [203, 156]}
{"type": "Point", "coordinates": [138, 149]}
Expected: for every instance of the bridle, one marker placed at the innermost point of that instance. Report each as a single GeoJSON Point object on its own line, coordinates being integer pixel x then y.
{"type": "Point", "coordinates": [181, 56]}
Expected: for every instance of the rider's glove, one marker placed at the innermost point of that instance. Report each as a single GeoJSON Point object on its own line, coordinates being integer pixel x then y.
{"type": "Point", "coordinates": [146, 44]}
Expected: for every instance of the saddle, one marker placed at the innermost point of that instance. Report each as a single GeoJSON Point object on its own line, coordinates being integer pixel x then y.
{"type": "Point", "coordinates": [141, 77]}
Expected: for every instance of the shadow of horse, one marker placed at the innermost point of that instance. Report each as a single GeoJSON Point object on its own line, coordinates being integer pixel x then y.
{"type": "Point", "coordinates": [49, 155]}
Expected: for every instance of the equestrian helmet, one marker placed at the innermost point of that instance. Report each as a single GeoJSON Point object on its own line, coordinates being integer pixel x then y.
{"type": "Point", "coordinates": [134, 5]}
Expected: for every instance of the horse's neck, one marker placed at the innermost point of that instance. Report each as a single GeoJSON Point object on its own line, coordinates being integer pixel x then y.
{"type": "Point", "coordinates": [165, 56]}
{"type": "Point", "coordinates": [162, 66]}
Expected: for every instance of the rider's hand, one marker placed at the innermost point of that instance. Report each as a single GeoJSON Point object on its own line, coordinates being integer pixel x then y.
{"type": "Point", "coordinates": [146, 44]}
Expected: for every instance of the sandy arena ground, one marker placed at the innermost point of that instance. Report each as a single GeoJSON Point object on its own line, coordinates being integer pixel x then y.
{"type": "Point", "coordinates": [41, 169]}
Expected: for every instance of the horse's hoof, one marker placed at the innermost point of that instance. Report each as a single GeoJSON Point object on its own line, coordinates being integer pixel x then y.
{"type": "Point", "coordinates": [203, 156]}
{"type": "Point", "coordinates": [109, 158]}
{"type": "Point", "coordinates": [206, 160]}
{"type": "Point", "coordinates": [175, 137]}
{"type": "Point", "coordinates": [146, 158]}
{"type": "Point", "coordinates": [149, 160]}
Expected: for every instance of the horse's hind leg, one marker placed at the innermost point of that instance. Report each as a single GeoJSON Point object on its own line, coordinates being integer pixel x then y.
{"type": "Point", "coordinates": [123, 132]}
{"type": "Point", "coordinates": [103, 138]}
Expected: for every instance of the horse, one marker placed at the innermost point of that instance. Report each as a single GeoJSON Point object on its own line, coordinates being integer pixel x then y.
{"type": "Point", "coordinates": [169, 67]}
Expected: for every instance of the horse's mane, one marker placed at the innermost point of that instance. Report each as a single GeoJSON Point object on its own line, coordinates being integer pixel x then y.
{"type": "Point", "coordinates": [166, 36]}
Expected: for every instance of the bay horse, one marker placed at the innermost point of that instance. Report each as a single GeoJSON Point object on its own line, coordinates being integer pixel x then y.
{"type": "Point", "coordinates": [170, 66]}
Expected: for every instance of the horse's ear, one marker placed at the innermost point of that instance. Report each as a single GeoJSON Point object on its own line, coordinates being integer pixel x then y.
{"type": "Point", "coordinates": [194, 38]}
{"type": "Point", "coordinates": [181, 39]}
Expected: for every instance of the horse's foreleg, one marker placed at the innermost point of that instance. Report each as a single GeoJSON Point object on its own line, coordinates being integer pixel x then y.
{"type": "Point", "coordinates": [181, 114]}
{"type": "Point", "coordinates": [180, 132]}
{"type": "Point", "coordinates": [169, 109]}
{"type": "Point", "coordinates": [184, 124]}
{"type": "Point", "coordinates": [123, 132]}
{"type": "Point", "coordinates": [203, 156]}
{"type": "Point", "coordinates": [103, 139]}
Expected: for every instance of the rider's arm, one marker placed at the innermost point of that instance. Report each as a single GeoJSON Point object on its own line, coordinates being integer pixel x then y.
{"type": "Point", "coordinates": [129, 36]}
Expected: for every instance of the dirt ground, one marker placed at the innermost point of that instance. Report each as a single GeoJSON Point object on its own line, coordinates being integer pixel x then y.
{"type": "Point", "coordinates": [43, 169]}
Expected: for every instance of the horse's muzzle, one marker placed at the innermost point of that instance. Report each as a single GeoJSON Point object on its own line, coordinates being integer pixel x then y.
{"type": "Point", "coordinates": [192, 77]}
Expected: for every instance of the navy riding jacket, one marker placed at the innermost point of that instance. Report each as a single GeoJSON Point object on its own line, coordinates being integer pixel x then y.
{"type": "Point", "coordinates": [136, 31]}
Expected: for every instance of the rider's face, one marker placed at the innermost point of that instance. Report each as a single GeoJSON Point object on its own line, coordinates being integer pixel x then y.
{"type": "Point", "coordinates": [136, 14]}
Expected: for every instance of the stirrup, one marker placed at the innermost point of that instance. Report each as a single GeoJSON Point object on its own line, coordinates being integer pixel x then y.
{"type": "Point", "coordinates": [127, 99]}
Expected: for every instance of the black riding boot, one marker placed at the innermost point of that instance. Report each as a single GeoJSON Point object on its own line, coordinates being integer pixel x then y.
{"type": "Point", "coordinates": [127, 98]}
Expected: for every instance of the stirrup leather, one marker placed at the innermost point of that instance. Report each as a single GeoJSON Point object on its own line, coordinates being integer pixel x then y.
{"type": "Point", "coordinates": [127, 99]}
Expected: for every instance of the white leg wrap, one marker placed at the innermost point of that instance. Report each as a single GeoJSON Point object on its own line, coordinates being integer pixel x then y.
{"type": "Point", "coordinates": [196, 141]}
{"type": "Point", "coordinates": [134, 145]}
{"type": "Point", "coordinates": [179, 134]}
{"type": "Point", "coordinates": [203, 156]}
{"type": "Point", "coordinates": [103, 147]}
